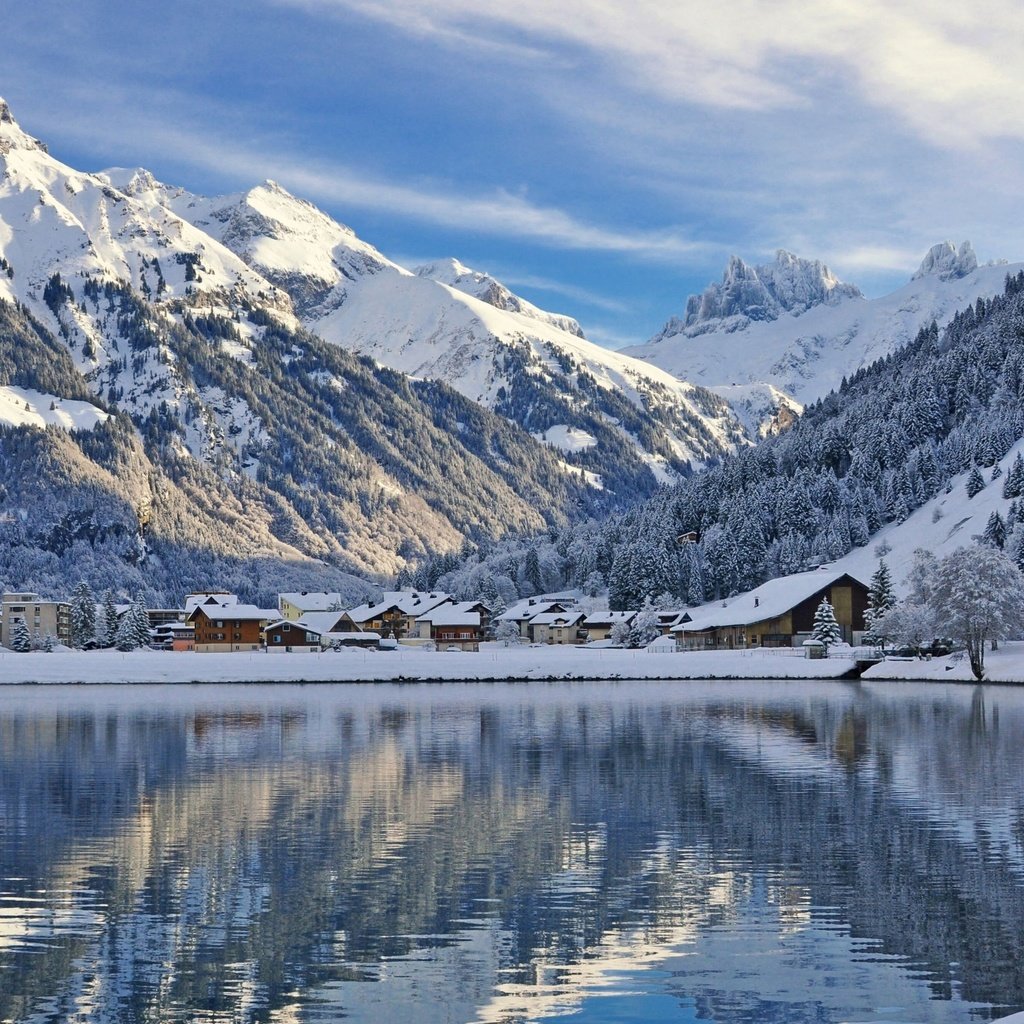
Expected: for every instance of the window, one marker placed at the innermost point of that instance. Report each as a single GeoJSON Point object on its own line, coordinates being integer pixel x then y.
{"type": "Point", "coordinates": [219, 623]}
{"type": "Point", "coordinates": [286, 628]}
{"type": "Point", "coordinates": [277, 638]}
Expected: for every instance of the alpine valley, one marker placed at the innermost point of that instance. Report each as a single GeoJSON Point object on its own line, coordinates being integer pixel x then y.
{"type": "Point", "coordinates": [239, 391]}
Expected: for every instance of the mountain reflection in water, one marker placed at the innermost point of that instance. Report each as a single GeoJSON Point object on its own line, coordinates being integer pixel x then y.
{"type": "Point", "coordinates": [609, 852]}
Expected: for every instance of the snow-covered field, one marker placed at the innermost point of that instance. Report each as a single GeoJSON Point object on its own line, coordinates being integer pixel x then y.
{"type": "Point", "coordinates": [1003, 666]}
{"type": "Point", "coordinates": [497, 664]}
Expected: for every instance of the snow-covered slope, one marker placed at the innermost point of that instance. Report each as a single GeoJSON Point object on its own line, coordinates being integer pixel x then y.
{"type": "Point", "coordinates": [948, 521]}
{"type": "Point", "coordinates": [24, 407]}
{"type": "Point", "coordinates": [794, 326]}
{"type": "Point", "coordinates": [482, 286]}
{"type": "Point", "coordinates": [451, 323]}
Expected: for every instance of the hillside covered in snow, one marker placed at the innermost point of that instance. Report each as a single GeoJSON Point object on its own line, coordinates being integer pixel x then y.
{"type": "Point", "coordinates": [881, 466]}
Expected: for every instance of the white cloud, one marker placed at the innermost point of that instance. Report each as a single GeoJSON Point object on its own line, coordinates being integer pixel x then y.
{"type": "Point", "coordinates": [953, 72]}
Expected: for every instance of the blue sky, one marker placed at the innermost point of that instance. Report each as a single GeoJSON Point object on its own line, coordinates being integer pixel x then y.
{"type": "Point", "coordinates": [603, 159]}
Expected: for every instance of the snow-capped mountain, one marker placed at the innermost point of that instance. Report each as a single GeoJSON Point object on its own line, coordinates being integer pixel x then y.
{"type": "Point", "coordinates": [450, 323]}
{"type": "Point", "coordinates": [794, 327]}
{"type": "Point", "coordinates": [486, 288]}
{"type": "Point", "coordinates": [184, 323]}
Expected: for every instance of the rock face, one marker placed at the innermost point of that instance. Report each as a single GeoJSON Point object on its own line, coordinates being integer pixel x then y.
{"type": "Point", "coordinates": [746, 293]}
{"type": "Point", "coordinates": [947, 263]}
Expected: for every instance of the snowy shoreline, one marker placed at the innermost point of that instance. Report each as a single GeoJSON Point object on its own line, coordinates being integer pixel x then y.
{"type": "Point", "coordinates": [518, 665]}
{"type": "Point", "coordinates": [501, 665]}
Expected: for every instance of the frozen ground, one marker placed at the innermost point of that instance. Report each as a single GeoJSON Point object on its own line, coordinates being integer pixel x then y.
{"type": "Point", "coordinates": [499, 663]}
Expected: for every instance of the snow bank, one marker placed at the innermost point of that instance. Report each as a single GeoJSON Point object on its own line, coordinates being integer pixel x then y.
{"type": "Point", "coordinates": [569, 663]}
{"type": "Point", "coordinates": [1003, 666]}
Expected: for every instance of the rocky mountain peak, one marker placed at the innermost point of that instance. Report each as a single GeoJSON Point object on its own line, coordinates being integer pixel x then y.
{"type": "Point", "coordinates": [789, 284]}
{"type": "Point", "coordinates": [947, 263]}
{"type": "Point", "coordinates": [12, 135]}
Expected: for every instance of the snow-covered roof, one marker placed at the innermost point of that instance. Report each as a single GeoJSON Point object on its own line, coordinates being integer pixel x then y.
{"type": "Point", "coordinates": [309, 601]}
{"type": "Point", "coordinates": [463, 613]}
{"type": "Point", "coordinates": [407, 602]}
{"type": "Point", "coordinates": [768, 601]}
{"type": "Point", "coordinates": [528, 607]}
{"type": "Point", "coordinates": [236, 612]}
{"type": "Point", "coordinates": [608, 618]}
{"type": "Point", "coordinates": [321, 622]}
{"type": "Point", "coordinates": [210, 598]}
{"type": "Point", "coordinates": [662, 643]}
{"type": "Point", "coordinates": [366, 637]}
{"type": "Point", "coordinates": [556, 618]}
{"type": "Point", "coordinates": [300, 627]}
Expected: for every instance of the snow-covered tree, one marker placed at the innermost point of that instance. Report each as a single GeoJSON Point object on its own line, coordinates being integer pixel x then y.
{"type": "Point", "coordinates": [20, 639]}
{"type": "Point", "coordinates": [978, 597]}
{"type": "Point", "coordinates": [106, 624]}
{"type": "Point", "coordinates": [825, 628]}
{"type": "Point", "coordinates": [975, 482]}
{"type": "Point", "coordinates": [1013, 486]}
{"type": "Point", "coordinates": [507, 632]}
{"type": "Point", "coordinates": [910, 624]}
{"type": "Point", "coordinates": [133, 630]}
{"type": "Point", "coordinates": [645, 625]}
{"type": "Point", "coordinates": [881, 598]}
{"type": "Point", "coordinates": [83, 615]}
{"type": "Point", "coordinates": [49, 643]}
{"type": "Point", "coordinates": [995, 531]}
{"type": "Point", "coordinates": [619, 634]}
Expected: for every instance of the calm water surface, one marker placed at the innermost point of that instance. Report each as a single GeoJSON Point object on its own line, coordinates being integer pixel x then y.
{"type": "Point", "coordinates": [725, 852]}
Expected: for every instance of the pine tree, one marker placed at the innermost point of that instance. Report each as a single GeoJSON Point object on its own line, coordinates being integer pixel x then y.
{"type": "Point", "coordinates": [108, 636]}
{"type": "Point", "coordinates": [975, 482]}
{"type": "Point", "coordinates": [825, 628]}
{"type": "Point", "coordinates": [83, 616]}
{"type": "Point", "coordinates": [20, 639]}
{"type": "Point", "coordinates": [531, 571]}
{"type": "Point", "coordinates": [49, 643]}
{"type": "Point", "coordinates": [133, 631]}
{"type": "Point", "coordinates": [1013, 486]}
{"type": "Point", "coordinates": [995, 531]}
{"type": "Point", "coordinates": [881, 598]}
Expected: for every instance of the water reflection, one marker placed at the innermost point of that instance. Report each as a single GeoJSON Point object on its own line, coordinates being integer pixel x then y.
{"type": "Point", "coordinates": [735, 852]}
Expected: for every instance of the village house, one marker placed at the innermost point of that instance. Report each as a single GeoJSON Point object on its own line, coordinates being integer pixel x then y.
{"type": "Point", "coordinates": [393, 615]}
{"type": "Point", "coordinates": [43, 618]}
{"type": "Point", "coordinates": [291, 637]}
{"type": "Point", "coordinates": [523, 612]}
{"type": "Point", "coordinates": [229, 627]}
{"type": "Point", "coordinates": [558, 627]}
{"type": "Point", "coordinates": [599, 625]}
{"type": "Point", "coordinates": [294, 606]}
{"type": "Point", "coordinates": [336, 631]}
{"type": "Point", "coordinates": [779, 613]}
{"type": "Point", "coordinates": [460, 624]}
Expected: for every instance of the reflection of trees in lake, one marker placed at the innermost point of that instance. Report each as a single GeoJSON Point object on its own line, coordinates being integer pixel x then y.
{"type": "Point", "coordinates": [303, 848]}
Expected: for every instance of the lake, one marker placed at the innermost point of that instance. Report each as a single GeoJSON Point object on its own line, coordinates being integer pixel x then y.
{"type": "Point", "coordinates": [808, 853]}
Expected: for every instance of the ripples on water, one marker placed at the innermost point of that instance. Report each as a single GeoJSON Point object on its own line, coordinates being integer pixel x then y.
{"type": "Point", "coordinates": [800, 853]}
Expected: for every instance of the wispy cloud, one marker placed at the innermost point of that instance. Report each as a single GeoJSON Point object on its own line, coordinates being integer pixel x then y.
{"type": "Point", "coordinates": [952, 73]}
{"type": "Point", "coordinates": [499, 212]}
